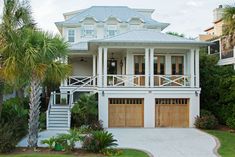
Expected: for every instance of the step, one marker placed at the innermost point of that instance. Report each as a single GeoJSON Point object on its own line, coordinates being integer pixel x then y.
{"type": "Point", "coordinates": [58, 122]}
{"type": "Point", "coordinates": [58, 118]}
{"type": "Point", "coordinates": [60, 106]}
{"type": "Point", "coordinates": [58, 113]}
{"type": "Point", "coordinates": [58, 125]}
{"type": "Point", "coordinates": [58, 128]}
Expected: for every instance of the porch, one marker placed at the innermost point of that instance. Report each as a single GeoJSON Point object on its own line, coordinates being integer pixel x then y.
{"type": "Point", "coordinates": [134, 67]}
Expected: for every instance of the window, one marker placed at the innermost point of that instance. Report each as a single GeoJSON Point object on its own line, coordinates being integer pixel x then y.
{"type": "Point", "coordinates": [177, 65]}
{"type": "Point", "coordinates": [71, 35]}
{"type": "Point", "coordinates": [159, 65]}
{"type": "Point", "coordinates": [139, 65]}
{"type": "Point", "coordinates": [88, 31]}
{"type": "Point", "coordinates": [111, 31]}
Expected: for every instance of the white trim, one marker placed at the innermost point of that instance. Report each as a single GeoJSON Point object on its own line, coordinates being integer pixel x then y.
{"type": "Point", "coordinates": [75, 35]}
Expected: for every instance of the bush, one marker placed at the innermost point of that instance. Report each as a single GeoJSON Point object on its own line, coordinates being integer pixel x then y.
{"type": "Point", "coordinates": [85, 129]}
{"type": "Point", "coordinates": [10, 134]}
{"type": "Point", "coordinates": [97, 141]}
{"type": "Point", "coordinates": [42, 121]}
{"type": "Point", "coordinates": [65, 141]}
{"type": "Point", "coordinates": [205, 113]}
{"type": "Point", "coordinates": [85, 111]}
{"type": "Point", "coordinates": [231, 122]}
{"type": "Point", "coordinates": [206, 122]}
{"type": "Point", "coordinates": [97, 125]}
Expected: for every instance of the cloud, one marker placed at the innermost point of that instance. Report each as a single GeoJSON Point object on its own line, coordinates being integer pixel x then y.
{"type": "Point", "coordinates": [194, 3]}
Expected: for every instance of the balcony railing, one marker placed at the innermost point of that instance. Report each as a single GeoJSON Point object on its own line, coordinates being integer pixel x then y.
{"type": "Point", "coordinates": [131, 81]}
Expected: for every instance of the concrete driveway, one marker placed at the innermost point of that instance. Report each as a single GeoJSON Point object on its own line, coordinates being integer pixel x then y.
{"type": "Point", "coordinates": [167, 142]}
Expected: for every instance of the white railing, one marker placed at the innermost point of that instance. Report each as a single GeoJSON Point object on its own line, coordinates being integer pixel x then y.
{"type": "Point", "coordinates": [49, 107]}
{"type": "Point", "coordinates": [125, 80]}
{"type": "Point", "coordinates": [84, 81]}
{"type": "Point", "coordinates": [171, 81]}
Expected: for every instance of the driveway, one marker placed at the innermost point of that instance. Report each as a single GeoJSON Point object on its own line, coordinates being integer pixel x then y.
{"type": "Point", "coordinates": [166, 142]}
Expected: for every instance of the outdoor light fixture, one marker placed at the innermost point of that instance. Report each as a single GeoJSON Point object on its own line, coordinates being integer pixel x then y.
{"type": "Point", "coordinates": [113, 63]}
{"type": "Point", "coordinates": [196, 93]}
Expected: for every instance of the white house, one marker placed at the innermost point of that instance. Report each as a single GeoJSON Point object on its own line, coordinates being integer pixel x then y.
{"type": "Point", "coordinates": [144, 78]}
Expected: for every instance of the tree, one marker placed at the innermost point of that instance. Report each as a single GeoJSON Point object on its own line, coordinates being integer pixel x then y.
{"type": "Point", "coordinates": [30, 57]}
{"type": "Point", "coordinates": [229, 20]}
{"type": "Point", "coordinates": [176, 34]}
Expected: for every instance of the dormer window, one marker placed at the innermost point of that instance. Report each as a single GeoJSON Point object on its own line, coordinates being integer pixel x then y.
{"type": "Point", "coordinates": [71, 35]}
{"type": "Point", "coordinates": [88, 31]}
{"type": "Point", "coordinates": [111, 30]}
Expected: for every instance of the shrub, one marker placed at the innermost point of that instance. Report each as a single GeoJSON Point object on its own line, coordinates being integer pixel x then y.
{"type": "Point", "coordinates": [231, 122]}
{"type": "Point", "coordinates": [85, 129]}
{"type": "Point", "coordinates": [42, 121]}
{"type": "Point", "coordinates": [65, 141]}
{"type": "Point", "coordinates": [85, 110]}
{"type": "Point", "coordinates": [112, 152]}
{"type": "Point", "coordinates": [97, 141]}
{"type": "Point", "coordinates": [205, 113]}
{"type": "Point", "coordinates": [206, 122]}
{"type": "Point", "coordinates": [97, 125]}
{"type": "Point", "coordinates": [8, 137]}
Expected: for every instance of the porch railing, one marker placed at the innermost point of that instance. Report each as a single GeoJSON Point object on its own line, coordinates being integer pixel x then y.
{"type": "Point", "coordinates": [125, 80]}
{"type": "Point", "coordinates": [131, 81]}
{"type": "Point", "coordinates": [171, 80]}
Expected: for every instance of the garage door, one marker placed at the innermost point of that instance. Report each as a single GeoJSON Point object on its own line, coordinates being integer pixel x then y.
{"type": "Point", "coordinates": [172, 113]}
{"type": "Point", "coordinates": [126, 112]}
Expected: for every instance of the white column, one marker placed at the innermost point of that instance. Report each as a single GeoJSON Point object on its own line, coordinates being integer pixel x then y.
{"type": "Point", "coordinates": [94, 69]}
{"type": "Point", "coordinates": [146, 67]}
{"type": "Point", "coordinates": [105, 66]}
{"type": "Point", "coordinates": [197, 67]}
{"type": "Point", "coordinates": [100, 49]}
{"type": "Point", "coordinates": [65, 82]}
{"type": "Point", "coordinates": [168, 64]}
{"type": "Point", "coordinates": [151, 60]}
{"type": "Point", "coordinates": [192, 67]}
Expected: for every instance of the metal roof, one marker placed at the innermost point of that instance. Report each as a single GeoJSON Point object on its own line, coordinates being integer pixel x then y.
{"type": "Point", "coordinates": [102, 13]}
{"type": "Point", "coordinates": [148, 36]}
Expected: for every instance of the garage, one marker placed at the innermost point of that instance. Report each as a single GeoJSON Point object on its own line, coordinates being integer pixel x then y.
{"type": "Point", "coordinates": [172, 113]}
{"type": "Point", "coordinates": [126, 112]}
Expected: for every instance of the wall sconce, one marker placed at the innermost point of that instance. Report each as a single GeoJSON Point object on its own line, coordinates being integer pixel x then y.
{"type": "Point", "coordinates": [113, 63]}
{"type": "Point", "coordinates": [102, 93]}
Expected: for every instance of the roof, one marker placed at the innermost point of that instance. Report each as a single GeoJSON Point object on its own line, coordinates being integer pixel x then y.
{"type": "Point", "coordinates": [150, 37]}
{"type": "Point", "coordinates": [102, 13]}
{"type": "Point", "coordinates": [209, 29]}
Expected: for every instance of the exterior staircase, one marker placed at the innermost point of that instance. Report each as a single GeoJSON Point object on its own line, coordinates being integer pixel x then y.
{"type": "Point", "coordinates": [59, 118]}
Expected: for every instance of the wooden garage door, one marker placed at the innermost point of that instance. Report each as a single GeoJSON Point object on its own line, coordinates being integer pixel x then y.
{"type": "Point", "coordinates": [126, 112]}
{"type": "Point", "coordinates": [172, 113]}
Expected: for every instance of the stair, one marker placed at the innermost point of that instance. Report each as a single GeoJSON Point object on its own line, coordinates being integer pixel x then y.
{"type": "Point", "coordinates": [58, 118]}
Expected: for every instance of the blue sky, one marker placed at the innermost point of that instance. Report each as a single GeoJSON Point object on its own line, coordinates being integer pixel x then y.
{"type": "Point", "coordinates": [189, 17]}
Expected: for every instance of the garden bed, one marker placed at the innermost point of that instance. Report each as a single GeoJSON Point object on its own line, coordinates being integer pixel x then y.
{"type": "Point", "coordinates": [45, 152]}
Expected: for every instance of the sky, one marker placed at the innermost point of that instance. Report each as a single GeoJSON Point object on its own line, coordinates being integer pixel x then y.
{"type": "Point", "coordinates": [189, 17]}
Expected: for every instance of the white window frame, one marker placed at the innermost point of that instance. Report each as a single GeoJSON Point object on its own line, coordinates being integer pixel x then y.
{"type": "Point", "coordinates": [68, 35]}
{"type": "Point", "coordinates": [113, 29]}
{"type": "Point", "coordinates": [88, 31]}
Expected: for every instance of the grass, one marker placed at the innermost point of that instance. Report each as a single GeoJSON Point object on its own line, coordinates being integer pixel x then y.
{"type": "Point", "coordinates": [126, 153]}
{"type": "Point", "coordinates": [227, 141]}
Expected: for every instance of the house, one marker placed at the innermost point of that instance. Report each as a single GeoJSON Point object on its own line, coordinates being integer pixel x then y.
{"type": "Point", "coordinates": [221, 45]}
{"type": "Point", "coordinates": [143, 77]}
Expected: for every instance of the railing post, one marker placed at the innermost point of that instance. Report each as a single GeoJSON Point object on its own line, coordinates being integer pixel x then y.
{"type": "Point", "coordinates": [47, 114]}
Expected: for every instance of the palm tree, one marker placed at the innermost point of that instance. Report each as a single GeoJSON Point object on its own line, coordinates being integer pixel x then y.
{"type": "Point", "coordinates": [30, 56]}
{"type": "Point", "coordinates": [229, 20]}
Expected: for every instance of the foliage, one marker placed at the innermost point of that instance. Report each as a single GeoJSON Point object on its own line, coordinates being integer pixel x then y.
{"type": "Point", "coordinates": [97, 141]}
{"type": "Point", "coordinates": [231, 122]}
{"type": "Point", "coordinates": [206, 122]}
{"type": "Point", "coordinates": [97, 125]}
{"type": "Point", "coordinates": [227, 141]}
{"type": "Point", "coordinates": [50, 142]}
{"type": "Point", "coordinates": [85, 129]}
{"type": "Point", "coordinates": [10, 134]}
{"type": "Point", "coordinates": [42, 120]}
{"type": "Point", "coordinates": [218, 87]}
{"type": "Point", "coordinates": [66, 141]}
{"type": "Point", "coordinates": [229, 20]}
{"type": "Point", "coordinates": [204, 112]}
{"type": "Point", "coordinates": [85, 111]}
{"type": "Point", "coordinates": [175, 34]}
{"type": "Point", "coordinates": [7, 138]}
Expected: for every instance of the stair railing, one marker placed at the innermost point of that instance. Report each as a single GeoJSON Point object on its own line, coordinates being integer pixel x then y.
{"type": "Point", "coordinates": [49, 107]}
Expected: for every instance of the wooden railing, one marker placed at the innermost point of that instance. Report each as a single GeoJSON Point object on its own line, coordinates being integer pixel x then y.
{"type": "Point", "coordinates": [131, 81]}
{"type": "Point", "coordinates": [85, 81]}
{"type": "Point", "coordinates": [171, 81]}
{"type": "Point", "coordinates": [125, 80]}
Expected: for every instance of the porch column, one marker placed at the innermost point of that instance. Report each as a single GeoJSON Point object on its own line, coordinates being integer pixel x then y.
{"type": "Point", "coordinates": [197, 67]}
{"type": "Point", "coordinates": [65, 61]}
{"type": "Point", "coordinates": [94, 69]}
{"type": "Point", "coordinates": [192, 67]}
{"type": "Point", "coordinates": [105, 66]}
{"type": "Point", "coordinates": [100, 49]}
{"type": "Point", "coordinates": [146, 67]}
{"type": "Point", "coordinates": [151, 67]}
